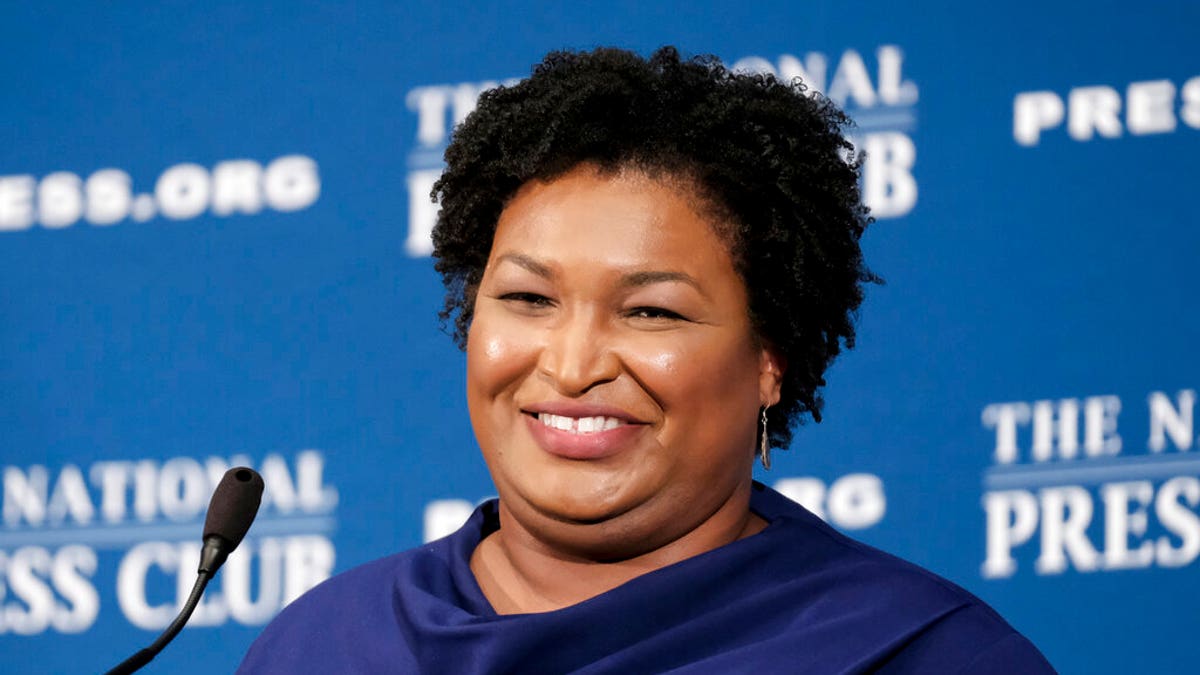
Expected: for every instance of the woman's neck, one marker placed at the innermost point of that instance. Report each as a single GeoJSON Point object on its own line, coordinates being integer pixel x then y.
{"type": "Point", "coordinates": [519, 573]}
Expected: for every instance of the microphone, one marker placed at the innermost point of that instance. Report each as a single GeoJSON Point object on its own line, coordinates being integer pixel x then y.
{"type": "Point", "coordinates": [233, 507]}
{"type": "Point", "coordinates": [230, 512]}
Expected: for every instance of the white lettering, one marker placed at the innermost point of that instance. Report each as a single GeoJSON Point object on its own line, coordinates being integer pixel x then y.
{"type": "Point", "coordinates": [1004, 418]}
{"type": "Point", "coordinates": [312, 494]}
{"type": "Point", "coordinates": [113, 480]}
{"type": "Point", "coordinates": [291, 183]}
{"type": "Point", "coordinates": [851, 81]}
{"type": "Point", "coordinates": [16, 202]}
{"type": "Point", "coordinates": [889, 188]}
{"type": "Point", "coordinates": [25, 495]}
{"type": "Point", "coordinates": [131, 584]}
{"type": "Point", "coordinates": [109, 196]}
{"type": "Point", "coordinates": [893, 88]}
{"type": "Point", "coordinates": [430, 104]}
{"type": "Point", "coordinates": [445, 516]}
{"type": "Point", "coordinates": [60, 200]}
{"type": "Point", "coordinates": [1120, 523]}
{"type": "Point", "coordinates": [1189, 113]}
{"type": "Point", "coordinates": [279, 570]}
{"type": "Point", "coordinates": [308, 560]}
{"type": "Point", "coordinates": [1035, 112]}
{"type": "Point", "coordinates": [236, 583]}
{"type": "Point", "coordinates": [183, 490]}
{"type": "Point", "coordinates": [72, 568]}
{"type": "Point", "coordinates": [856, 501]}
{"type": "Point", "coordinates": [1093, 110]}
{"type": "Point", "coordinates": [70, 498]}
{"type": "Point", "coordinates": [182, 191]}
{"type": "Point", "coordinates": [1178, 520]}
{"type": "Point", "coordinates": [33, 575]}
{"type": "Point", "coordinates": [1148, 107]}
{"type": "Point", "coordinates": [279, 490]}
{"type": "Point", "coordinates": [853, 502]}
{"type": "Point", "coordinates": [27, 571]}
{"type": "Point", "coordinates": [1100, 426]}
{"type": "Point", "coordinates": [1174, 421]}
{"type": "Point", "coordinates": [145, 490]}
{"type": "Point", "coordinates": [1012, 518]}
{"type": "Point", "coordinates": [422, 212]}
{"type": "Point", "coordinates": [236, 187]}
{"type": "Point", "coordinates": [1066, 514]}
{"type": "Point", "coordinates": [1045, 431]}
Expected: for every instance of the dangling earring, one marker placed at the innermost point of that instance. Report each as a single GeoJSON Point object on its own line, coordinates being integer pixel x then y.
{"type": "Point", "coordinates": [764, 447]}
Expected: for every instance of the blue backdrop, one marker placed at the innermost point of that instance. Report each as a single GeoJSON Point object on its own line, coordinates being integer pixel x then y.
{"type": "Point", "coordinates": [213, 250]}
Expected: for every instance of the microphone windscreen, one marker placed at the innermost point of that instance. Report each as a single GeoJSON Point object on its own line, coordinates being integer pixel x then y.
{"type": "Point", "coordinates": [234, 505]}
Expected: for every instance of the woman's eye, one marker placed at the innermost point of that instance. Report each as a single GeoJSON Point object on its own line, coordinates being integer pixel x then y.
{"type": "Point", "coordinates": [523, 298]}
{"type": "Point", "coordinates": [653, 313]}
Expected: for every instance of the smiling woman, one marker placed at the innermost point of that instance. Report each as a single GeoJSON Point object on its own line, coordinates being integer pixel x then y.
{"type": "Point", "coordinates": [608, 298]}
{"type": "Point", "coordinates": [650, 264]}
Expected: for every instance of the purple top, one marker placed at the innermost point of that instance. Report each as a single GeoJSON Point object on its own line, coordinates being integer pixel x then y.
{"type": "Point", "coordinates": [798, 597]}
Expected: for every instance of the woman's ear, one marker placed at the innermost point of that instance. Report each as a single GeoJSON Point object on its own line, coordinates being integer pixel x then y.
{"type": "Point", "coordinates": [772, 365]}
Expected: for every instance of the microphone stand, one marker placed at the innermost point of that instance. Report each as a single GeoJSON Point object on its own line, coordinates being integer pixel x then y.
{"type": "Point", "coordinates": [230, 512]}
{"type": "Point", "coordinates": [144, 656]}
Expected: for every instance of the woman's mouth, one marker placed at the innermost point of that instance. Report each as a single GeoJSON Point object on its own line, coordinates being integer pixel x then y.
{"type": "Point", "coordinates": [587, 437]}
{"type": "Point", "coordinates": [579, 425]}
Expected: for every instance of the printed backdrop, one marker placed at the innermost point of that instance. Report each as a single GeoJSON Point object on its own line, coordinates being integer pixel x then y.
{"type": "Point", "coordinates": [214, 251]}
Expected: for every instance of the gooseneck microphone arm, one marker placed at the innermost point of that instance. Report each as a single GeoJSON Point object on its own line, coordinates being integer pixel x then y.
{"type": "Point", "coordinates": [144, 656]}
{"type": "Point", "coordinates": [233, 507]}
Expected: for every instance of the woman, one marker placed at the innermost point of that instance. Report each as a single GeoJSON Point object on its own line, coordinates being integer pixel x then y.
{"type": "Point", "coordinates": [650, 264]}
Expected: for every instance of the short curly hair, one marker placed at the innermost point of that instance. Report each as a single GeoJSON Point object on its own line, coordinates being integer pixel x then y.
{"type": "Point", "coordinates": [768, 158]}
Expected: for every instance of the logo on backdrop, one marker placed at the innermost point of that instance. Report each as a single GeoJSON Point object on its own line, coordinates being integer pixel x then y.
{"type": "Point", "coordinates": [184, 191]}
{"type": "Point", "coordinates": [1148, 107]}
{"type": "Point", "coordinates": [151, 513]}
{"type": "Point", "coordinates": [875, 93]}
{"type": "Point", "coordinates": [1064, 491]}
{"type": "Point", "coordinates": [855, 501]}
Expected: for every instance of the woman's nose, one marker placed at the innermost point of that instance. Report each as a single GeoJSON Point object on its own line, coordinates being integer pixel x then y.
{"type": "Point", "coordinates": [578, 354]}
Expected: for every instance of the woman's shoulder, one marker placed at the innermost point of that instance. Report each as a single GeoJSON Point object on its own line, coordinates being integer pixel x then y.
{"type": "Point", "coordinates": [351, 618]}
{"type": "Point", "coordinates": [814, 547]}
{"type": "Point", "coordinates": [317, 631]}
{"type": "Point", "coordinates": [917, 620]}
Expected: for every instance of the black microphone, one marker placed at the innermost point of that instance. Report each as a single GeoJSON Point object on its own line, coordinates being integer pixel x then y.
{"type": "Point", "coordinates": [232, 508]}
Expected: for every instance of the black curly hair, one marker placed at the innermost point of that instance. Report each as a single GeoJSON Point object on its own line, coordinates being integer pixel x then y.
{"type": "Point", "coordinates": [769, 160]}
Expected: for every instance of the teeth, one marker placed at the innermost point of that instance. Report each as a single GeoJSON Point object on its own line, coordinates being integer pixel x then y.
{"type": "Point", "coordinates": [579, 425]}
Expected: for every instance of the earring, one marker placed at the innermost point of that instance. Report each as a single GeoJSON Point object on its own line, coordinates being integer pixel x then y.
{"type": "Point", "coordinates": [764, 446]}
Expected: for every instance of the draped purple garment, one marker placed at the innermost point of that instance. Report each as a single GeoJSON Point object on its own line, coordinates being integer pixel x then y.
{"type": "Point", "coordinates": [798, 597]}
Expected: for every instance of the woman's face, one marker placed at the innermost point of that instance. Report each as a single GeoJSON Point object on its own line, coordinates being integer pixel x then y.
{"type": "Point", "coordinates": [613, 377]}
